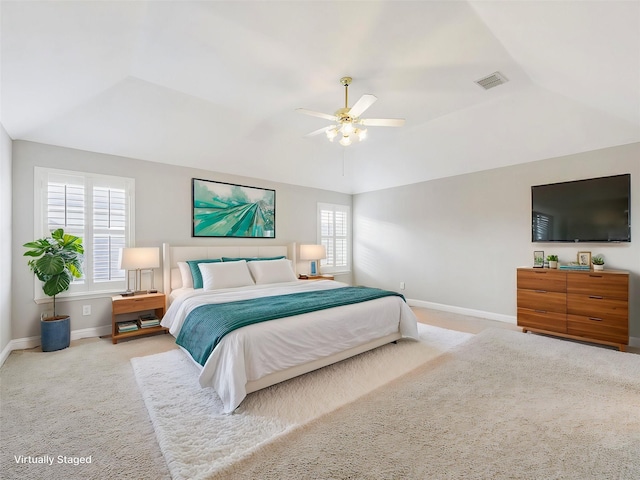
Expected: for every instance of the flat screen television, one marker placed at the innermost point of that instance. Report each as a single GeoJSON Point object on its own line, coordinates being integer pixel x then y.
{"type": "Point", "coordinates": [592, 210]}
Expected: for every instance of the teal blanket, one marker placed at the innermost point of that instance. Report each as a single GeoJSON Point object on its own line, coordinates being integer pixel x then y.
{"type": "Point", "coordinates": [205, 325]}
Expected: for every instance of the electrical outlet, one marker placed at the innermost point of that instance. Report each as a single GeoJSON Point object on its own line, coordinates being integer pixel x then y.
{"type": "Point", "coordinates": [401, 285]}
{"type": "Point", "coordinates": [86, 310]}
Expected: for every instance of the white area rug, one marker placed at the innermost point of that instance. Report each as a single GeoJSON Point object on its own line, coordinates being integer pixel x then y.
{"type": "Point", "coordinates": [197, 440]}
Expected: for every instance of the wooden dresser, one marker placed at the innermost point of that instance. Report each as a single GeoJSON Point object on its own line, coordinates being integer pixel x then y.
{"type": "Point", "coordinates": [583, 305]}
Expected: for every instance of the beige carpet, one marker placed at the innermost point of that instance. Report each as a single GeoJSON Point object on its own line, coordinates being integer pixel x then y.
{"type": "Point", "coordinates": [503, 405]}
{"type": "Point", "coordinates": [198, 440]}
{"type": "Point", "coordinates": [77, 403]}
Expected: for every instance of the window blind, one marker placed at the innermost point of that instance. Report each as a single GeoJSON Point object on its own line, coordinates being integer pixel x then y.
{"type": "Point", "coordinates": [334, 234]}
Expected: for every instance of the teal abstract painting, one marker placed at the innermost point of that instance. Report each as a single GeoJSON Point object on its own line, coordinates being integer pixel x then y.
{"type": "Point", "coordinates": [229, 210]}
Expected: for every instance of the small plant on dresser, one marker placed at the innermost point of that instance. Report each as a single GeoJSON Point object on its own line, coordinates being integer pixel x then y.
{"type": "Point", "coordinates": [598, 262]}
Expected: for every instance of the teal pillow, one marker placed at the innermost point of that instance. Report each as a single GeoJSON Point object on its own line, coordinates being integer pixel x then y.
{"type": "Point", "coordinates": [251, 259]}
{"type": "Point", "coordinates": [195, 270]}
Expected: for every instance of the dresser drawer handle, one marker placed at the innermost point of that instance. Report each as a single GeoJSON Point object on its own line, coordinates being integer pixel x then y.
{"type": "Point", "coordinates": [595, 276]}
{"type": "Point", "coordinates": [540, 311]}
{"type": "Point", "coordinates": [540, 291]}
{"type": "Point", "coordinates": [595, 319]}
{"type": "Point", "coordinates": [596, 297]}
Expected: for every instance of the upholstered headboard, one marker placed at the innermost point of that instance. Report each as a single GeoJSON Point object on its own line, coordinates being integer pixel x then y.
{"type": "Point", "coordinates": [171, 255]}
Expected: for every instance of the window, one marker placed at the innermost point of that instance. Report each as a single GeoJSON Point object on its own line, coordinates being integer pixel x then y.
{"type": "Point", "coordinates": [96, 208]}
{"type": "Point", "coordinates": [334, 233]}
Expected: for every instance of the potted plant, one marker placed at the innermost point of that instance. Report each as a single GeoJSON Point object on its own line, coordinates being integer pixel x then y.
{"type": "Point", "coordinates": [56, 261]}
{"type": "Point", "coordinates": [598, 262]}
{"type": "Point", "coordinates": [553, 261]}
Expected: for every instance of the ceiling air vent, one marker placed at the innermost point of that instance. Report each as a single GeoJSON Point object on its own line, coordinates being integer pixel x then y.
{"type": "Point", "coordinates": [492, 80]}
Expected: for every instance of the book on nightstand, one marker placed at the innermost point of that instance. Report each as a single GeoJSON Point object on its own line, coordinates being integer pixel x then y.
{"type": "Point", "coordinates": [124, 327]}
{"type": "Point", "coordinates": [148, 321]}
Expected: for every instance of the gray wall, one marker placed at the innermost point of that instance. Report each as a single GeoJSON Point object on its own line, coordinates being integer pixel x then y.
{"type": "Point", "coordinates": [162, 214]}
{"type": "Point", "coordinates": [457, 241]}
{"type": "Point", "coordinates": [5, 239]}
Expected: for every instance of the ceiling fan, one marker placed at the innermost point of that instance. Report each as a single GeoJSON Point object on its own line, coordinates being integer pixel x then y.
{"type": "Point", "coordinates": [347, 120]}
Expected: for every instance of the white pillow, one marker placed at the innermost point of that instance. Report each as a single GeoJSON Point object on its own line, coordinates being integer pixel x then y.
{"type": "Point", "coordinates": [272, 271]}
{"type": "Point", "coordinates": [225, 275]}
{"type": "Point", "coordinates": [185, 273]}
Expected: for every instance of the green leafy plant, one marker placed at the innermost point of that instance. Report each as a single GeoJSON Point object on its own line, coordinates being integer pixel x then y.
{"type": "Point", "coordinates": [597, 260]}
{"type": "Point", "coordinates": [552, 258]}
{"type": "Point", "coordinates": [57, 261]}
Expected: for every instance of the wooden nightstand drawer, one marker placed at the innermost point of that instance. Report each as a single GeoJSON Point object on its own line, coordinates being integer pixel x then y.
{"type": "Point", "coordinates": [136, 304]}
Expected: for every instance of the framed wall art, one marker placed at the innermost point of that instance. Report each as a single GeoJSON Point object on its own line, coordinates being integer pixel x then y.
{"type": "Point", "coordinates": [228, 210]}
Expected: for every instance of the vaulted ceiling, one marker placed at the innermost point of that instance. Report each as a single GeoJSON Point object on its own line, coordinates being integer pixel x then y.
{"type": "Point", "coordinates": [215, 84]}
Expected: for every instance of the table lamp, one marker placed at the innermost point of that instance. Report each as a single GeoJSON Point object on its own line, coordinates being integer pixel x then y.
{"type": "Point", "coordinates": [314, 253]}
{"type": "Point", "coordinates": [139, 259]}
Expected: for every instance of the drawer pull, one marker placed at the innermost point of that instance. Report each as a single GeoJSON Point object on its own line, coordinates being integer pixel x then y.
{"type": "Point", "coordinates": [540, 291]}
{"type": "Point", "coordinates": [540, 311]}
{"type": "Point", "coordinates": [595, 276]}
{"type": "Point", "coordinates": [595, 319]}
{"type": "Point", "coordinates": [596, 297]}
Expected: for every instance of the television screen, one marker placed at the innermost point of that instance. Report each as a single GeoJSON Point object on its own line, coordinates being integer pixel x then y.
{"type": "Point", "coordinates": [593, 210]}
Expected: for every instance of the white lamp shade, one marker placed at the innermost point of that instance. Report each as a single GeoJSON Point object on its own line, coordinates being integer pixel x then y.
{"type": "Point", "coordinates": [139, 258]}
{"type": "Point", "coordinates": [312, 252]}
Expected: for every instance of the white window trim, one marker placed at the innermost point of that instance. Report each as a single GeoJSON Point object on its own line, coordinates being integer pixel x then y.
{"type": "Point", "coordinates": [41, 176]}
{"type": "Point", "coordinates": [334, 207]}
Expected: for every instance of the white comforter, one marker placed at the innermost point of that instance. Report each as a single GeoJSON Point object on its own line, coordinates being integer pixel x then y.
{"type": "Point", "coordinates": [251, 352]}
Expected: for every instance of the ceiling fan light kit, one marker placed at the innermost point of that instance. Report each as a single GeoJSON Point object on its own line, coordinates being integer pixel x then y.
{"type": "Point", "coordinates": [347, 120]}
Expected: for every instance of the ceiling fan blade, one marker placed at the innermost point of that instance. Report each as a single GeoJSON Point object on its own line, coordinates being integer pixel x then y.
{"type": "Point", "coordinates": [319, 131]}
{"type": "Point", "coordinates": [382, 122]}
{"type": "Point", "coordinates": [361, 105]}
{"type": "Point", "coordinates": [326, 116]}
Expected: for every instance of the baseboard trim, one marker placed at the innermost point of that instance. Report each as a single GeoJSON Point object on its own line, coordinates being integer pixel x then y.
{"type": "Point", "coordinates": [26, 343]}
{"type": "Point", "coordinates": [463, 311]}
{"type": "Point", "coordinates": [633, 341]}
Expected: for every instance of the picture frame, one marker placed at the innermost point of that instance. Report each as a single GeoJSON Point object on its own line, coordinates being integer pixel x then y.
{"type": "Point", "coordinates": [584, 258]}
{"type": "Point", "coordinates": [220, 209]}
{"type": "Point", "coordinates": [538, 259]}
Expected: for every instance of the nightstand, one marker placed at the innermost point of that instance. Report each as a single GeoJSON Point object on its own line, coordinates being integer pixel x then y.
{"type": "Point", "coordinates": [135, 304]}
{"type": "Point", "coordinates": [317, 277]}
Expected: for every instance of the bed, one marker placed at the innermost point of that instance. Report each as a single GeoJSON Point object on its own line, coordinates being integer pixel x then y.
{"type": "Point", "coordinates": [262, 354]}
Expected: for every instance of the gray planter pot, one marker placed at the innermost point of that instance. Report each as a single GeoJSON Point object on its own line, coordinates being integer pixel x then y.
{"type": "Point", "coordinates": [55, 334]}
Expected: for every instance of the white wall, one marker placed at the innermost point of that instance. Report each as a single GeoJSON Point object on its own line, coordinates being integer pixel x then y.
{"type": "Point", "coordinates": [163, 214]}
{"type": "Point", "coordinates": [5, 239]}
{"type": "Point", "coordinates": [457, 241]}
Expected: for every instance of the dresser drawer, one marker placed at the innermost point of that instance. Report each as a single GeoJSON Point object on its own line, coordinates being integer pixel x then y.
{"type": "Point", "coordinates": [542, 300]}
{"type": "Point", "coordinates": [594, 283]}
{"type": "Point", "coordinates": [555, 322]}
{"type": "Point", "coordinates": [597, 306]}
{"type": "Point", "coordinates": [542, 279]}
{"type": "Point", "coordinates": [609, 330]}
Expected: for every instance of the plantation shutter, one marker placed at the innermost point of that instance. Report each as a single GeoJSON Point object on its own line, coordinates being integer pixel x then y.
{"type": "Point", "coordinates": [334, 234]}
{"type": "Point", "coordinates": [96, 208]}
